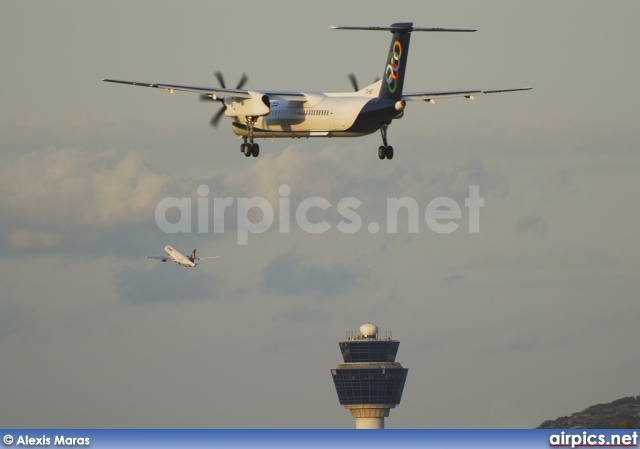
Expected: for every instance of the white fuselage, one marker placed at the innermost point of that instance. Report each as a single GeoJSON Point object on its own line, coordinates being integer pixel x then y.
{"type": "Point", "coordinates": [178, 257]}
{"type": "Point", "coordinates": [321, 115]}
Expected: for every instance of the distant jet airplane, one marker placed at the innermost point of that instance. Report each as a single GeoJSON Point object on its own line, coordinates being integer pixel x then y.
{"type": "Point", "coordinates": [275, 113]}
{"type": "Point", "coordinates": [179, 258]}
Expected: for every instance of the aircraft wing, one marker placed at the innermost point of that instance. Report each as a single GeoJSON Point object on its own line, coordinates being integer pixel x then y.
{"type": "Point", "coordinates": [214, 92]}
{"type": "Point", "coordinates": [207, 258]}
{"type": "Point", "coordinates": [427, 96]}
{"type": "Point", "coordinates": [162, 258]}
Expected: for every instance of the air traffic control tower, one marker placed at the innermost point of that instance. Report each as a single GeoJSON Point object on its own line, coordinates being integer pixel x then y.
{"type": "Point", "coordinates": [370, 382]}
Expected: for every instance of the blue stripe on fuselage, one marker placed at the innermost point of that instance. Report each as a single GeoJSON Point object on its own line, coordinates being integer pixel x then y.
{"type": "Point", "coordinates": [373, 115]}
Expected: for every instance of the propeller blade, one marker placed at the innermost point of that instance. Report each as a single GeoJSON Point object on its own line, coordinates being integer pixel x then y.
{"type": "Point", "coordinates": [242, 81]}
{"type": "Point", "coordinates": [354, 81]}
{"type": "Point", "coordinates": [218, 74]}
{"type": "Point", "coordinates": [220, 78]}
{"type": "Point", "coordinates": [216, 118]}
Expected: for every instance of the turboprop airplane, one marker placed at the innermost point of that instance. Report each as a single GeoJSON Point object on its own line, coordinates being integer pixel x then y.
{"type": "Point", "coordinates": [179, 258]}
{"type": "Point", "coordinates": [276, 113]}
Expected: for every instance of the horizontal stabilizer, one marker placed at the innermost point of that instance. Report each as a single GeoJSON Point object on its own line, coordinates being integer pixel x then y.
{"type": "Point", "coordinates": [402, 27]}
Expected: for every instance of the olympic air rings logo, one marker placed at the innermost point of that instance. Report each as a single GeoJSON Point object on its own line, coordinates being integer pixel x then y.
{"type": "Point", "coordinates": [392, 71]}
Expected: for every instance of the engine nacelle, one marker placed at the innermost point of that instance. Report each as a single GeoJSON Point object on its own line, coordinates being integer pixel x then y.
{"type": "Point", "coordinates": [255, 106]}
{"type": "Point", "coordinates": [400, 105]}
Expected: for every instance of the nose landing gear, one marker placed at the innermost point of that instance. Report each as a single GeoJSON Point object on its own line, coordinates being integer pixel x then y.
{"type": "Point", "coordinates": [250, 148]}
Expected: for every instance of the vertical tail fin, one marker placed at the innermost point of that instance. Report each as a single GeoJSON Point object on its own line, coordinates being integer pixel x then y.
{"type": "Point", "coordinates": [193, 256]}
{"type": "Point", "coordinates": [396, 65]}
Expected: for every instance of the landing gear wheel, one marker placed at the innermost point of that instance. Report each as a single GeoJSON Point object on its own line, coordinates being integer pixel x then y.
{"type": "Point", "coordinates": [255, 149]}
{"type": "Point", "coordinates": [389, 152]}
{"type": "Point", "coordinates": [247, 149]}
{"type": "Point", "coordinates": [242, 146]}
{"type": "Point", "coordinates": [386, 150]}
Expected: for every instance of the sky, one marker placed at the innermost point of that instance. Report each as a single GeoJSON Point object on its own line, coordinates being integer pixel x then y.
{"type": "Point", "coordinates": [531, 318]}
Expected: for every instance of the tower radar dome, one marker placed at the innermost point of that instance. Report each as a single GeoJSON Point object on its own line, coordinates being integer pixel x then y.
{"type": "Point", "coordinates": [368, 330]}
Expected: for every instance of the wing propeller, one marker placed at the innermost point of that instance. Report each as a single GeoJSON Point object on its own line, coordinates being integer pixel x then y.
{"type": "Point", "coordinates": [218, 115]}
{"type": "Point", "coordinates": [354, 81]}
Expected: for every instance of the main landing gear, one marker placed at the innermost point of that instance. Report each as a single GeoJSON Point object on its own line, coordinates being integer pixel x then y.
{"type": "Point", "coordinates": [385, 150]}
{"type": "Point", "coordinates": [250, 148]}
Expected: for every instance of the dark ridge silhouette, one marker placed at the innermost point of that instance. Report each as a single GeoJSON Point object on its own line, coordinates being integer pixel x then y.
{"type": "Point", "coordinates": [620, 414]}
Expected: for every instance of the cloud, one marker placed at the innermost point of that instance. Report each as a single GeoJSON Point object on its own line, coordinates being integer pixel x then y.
{"type": "Point", "coordinates": [70, 189]}
{"type": "Point", "coordinates": [454, 279]}
{"type": "Point", "coordinates": [532, 222]}
{"type": "Point", "coordinates": [24, 238]}
{"type": "Point", "coordinates": [321, 173]}
{"type": "Point", "coordinates": [290, 274]}
{"type": "Point", "coordinates": [335, 174]}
